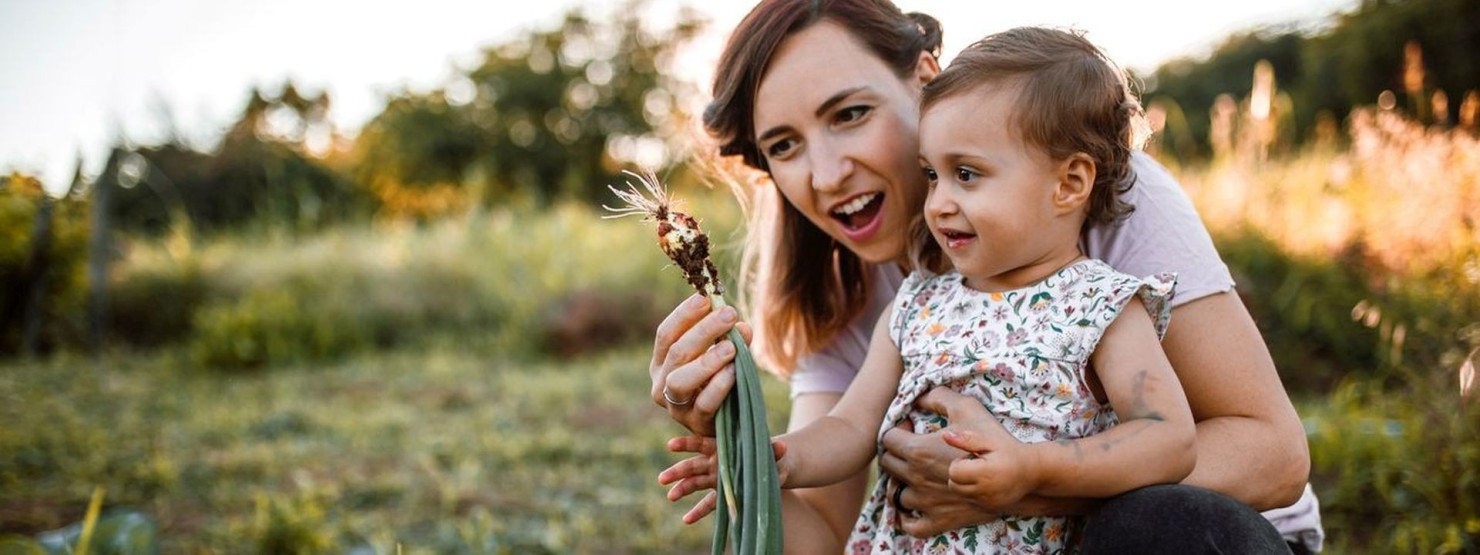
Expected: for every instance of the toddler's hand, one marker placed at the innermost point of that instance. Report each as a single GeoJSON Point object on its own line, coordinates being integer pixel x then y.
{"type": "Point", "coordinates": [701, 472]}
{"type": "Point", "coordinates": [998, 473]}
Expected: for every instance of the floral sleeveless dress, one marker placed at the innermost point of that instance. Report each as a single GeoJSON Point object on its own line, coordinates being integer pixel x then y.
{"type": "Point", "coordinates": [1023, 354]}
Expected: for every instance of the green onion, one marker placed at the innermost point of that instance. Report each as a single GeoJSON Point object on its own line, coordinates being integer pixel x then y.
{"type": "Point", "coordinates": [748, 512]}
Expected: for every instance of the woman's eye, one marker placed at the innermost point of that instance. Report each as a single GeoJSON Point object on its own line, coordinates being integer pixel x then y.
{"type": "Point", "coordinates": [780, 148]}
{"type": "Point", "coordinates": [852, 113]}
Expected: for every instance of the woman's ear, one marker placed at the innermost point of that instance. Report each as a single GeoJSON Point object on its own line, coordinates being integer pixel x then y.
{"type": "Point", "coordinates": [1076, 182]}
{"type": "Point", "coordinates": [926, 67]}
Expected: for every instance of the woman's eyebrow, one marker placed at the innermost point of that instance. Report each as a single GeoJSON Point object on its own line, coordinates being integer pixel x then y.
{"type": "Point", "coordinates": [822, 110]}
{"type": "Point", "coordinates": [836, 99]}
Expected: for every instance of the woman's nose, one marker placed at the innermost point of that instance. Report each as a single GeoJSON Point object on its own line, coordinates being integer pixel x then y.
{"type": "Point", "coordinates": [830, 166]}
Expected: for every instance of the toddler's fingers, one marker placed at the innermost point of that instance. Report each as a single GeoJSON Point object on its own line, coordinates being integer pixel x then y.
{"type": "Point", "coordinates": [697, 465]}
{"type": "Point", "coordinates": [691, 444]}
{"type": "Point", "coordinates": [966, 440]}
{"type": "Point", "coordinates": [701, 509]}
{"type": "Point", "coordinates": [690, 485]}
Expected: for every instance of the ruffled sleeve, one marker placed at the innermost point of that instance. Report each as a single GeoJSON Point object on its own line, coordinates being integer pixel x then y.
{"type": "Point", "coordinates": [1156, 293]}
{"type": "Point", "coordinates": [906, 304]}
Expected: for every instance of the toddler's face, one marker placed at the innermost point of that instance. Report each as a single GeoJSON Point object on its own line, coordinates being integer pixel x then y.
{"type": "Point", "coordinates": [990, 203]}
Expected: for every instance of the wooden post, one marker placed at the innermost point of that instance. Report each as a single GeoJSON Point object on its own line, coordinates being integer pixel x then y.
{"type": "Point", "coordinates": [33, 280]}
{"type": "Point", "coordinates": [98, 248]}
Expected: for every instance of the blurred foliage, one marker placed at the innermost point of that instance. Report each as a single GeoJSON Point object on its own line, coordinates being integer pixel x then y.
{"type": "Point", "coordinates": [1362, 267]}
{"type": "Point", "coordinates": [55, 277]}
{"type": "Point", "coordinates": [1328, 70]}
{"type": "Point", "coordinates": [547, 115]}
{"type": "Point", "coordinates": [1398, 471]}
{"type": "Point", "coordinates": [1358, 261]}
{"type": "Point", "coordinates": [528, 281]}
{"type": "Point", "coordinates": [263, 171]}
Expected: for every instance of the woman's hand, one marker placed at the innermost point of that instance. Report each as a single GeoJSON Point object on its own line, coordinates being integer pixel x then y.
{"type": "Point", "coordinates": [692, 365]}
{"type": "Point", "coordinates": [921, 463]}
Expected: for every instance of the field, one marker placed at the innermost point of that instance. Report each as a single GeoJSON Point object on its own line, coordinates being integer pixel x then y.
{"type": "Point", "coordinates": [478, 384]}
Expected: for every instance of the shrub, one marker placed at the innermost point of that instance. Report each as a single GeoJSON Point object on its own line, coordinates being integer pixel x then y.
{"type": "Point", "coordinates": [62, 278]}
{"type": "Point", "coordinates": [272, 326]}
{"type": "Point", "coordinates": [1399, 471]}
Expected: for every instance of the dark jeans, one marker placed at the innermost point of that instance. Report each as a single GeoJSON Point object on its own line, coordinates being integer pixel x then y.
{"type": "Point", "coordinates": [1179, 519]}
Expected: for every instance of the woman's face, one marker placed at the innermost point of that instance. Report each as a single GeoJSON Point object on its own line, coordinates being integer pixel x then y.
{"type": "Point", "coordinates": [839, 131]}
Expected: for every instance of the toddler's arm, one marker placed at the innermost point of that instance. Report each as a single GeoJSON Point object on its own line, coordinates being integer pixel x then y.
{"type": "Point", "coordinates": [1154, 442]}
{"type": "Point", "coordinates": [839, 445]}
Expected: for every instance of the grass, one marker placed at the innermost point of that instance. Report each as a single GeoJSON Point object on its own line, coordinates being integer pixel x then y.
{"type": "Point", "coordinates": [385, 389]}
{"type": "Point", "coordinates": [432, 450]}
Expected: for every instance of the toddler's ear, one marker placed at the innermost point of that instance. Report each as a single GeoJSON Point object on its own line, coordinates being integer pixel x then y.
{"type": "Point", "coordinates": [1076, 181]}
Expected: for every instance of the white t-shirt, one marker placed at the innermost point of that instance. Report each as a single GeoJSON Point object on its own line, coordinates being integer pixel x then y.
{"type": "Point", "coordinates": [1162, 234]}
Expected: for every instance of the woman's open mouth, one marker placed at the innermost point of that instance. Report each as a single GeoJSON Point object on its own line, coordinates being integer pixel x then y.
{"type": "Point", "coordinates": [860, 217]}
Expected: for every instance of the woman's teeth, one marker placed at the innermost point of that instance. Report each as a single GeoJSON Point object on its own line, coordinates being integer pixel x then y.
{"type": "Point", "coordinates": [855, 205]}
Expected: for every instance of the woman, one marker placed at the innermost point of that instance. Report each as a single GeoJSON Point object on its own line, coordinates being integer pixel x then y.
{"type": "Point", "coordinates": [822, 96]}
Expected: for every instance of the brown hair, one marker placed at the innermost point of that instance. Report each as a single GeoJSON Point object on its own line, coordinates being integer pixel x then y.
{"type": "Point", "coordinates": [1071, 98]}
{"type": "Point", "coordinates": [799, 304]}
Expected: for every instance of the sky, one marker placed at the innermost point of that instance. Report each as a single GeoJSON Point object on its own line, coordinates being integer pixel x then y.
{"type": "Point", "coordinates": [75, 75]}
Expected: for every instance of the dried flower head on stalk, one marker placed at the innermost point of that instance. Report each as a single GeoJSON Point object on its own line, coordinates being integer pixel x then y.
{"type": "Point", "coordinates": [678, 233]}
{"type": "Point", "coordinates": [748, 508]}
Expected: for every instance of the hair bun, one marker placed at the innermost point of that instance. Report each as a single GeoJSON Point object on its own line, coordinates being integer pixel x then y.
{"type": "Point", "coordinates": [930, 32]}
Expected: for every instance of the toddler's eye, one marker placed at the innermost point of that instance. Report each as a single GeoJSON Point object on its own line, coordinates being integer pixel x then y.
{"type": "Point", "coordinates": [930, 175]}
{"type": "Point", "coordinates": [965, 175]}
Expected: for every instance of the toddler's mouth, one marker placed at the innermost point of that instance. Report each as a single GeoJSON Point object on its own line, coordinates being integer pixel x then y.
{"type": "Point", "coordinates": [954, 239]}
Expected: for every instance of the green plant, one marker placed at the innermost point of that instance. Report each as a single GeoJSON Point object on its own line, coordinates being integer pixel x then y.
{"type": "Point", "coordinates": [748, 508]}
{"type": "Point", "coordinates": [294, 526]}
{"type": "Point", "coordinates": [271, 327]}
{"type": "Point", "coordinates": [1399, 469]}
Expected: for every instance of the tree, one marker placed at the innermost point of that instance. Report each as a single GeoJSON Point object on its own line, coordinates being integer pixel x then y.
{"type": "Point", "coordinates": [263, 171]}
{"type": "Point", "coordinates": [546, 115]}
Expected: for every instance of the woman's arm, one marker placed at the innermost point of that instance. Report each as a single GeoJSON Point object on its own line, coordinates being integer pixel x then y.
{"type": "Point", "coordinates": [1250, 443]}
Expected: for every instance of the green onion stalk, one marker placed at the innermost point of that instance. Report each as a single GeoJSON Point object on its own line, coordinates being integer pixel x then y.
{"type": "Point", "coordinates": [748, 514]}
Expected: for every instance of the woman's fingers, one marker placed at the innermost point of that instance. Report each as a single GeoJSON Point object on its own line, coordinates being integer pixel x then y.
{"type": "Point", "coordinates": [674, 326]}
{"type": "Point", "coordinates": [916, 459]}
{"type": "Point", "coordinates": [951, 404]}
{"type": "Point", "coordinates": [685, 382]}
{"type": "Point", "coordinates": [897, 441]}
{"type": "Point", "coordinates": [692, 384]}
{"type": "Point", "coordinates": [699, 338]}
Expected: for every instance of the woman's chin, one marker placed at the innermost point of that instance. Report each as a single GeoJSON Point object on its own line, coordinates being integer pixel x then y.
{"type": "Point", "coordinates": [880, 250]}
